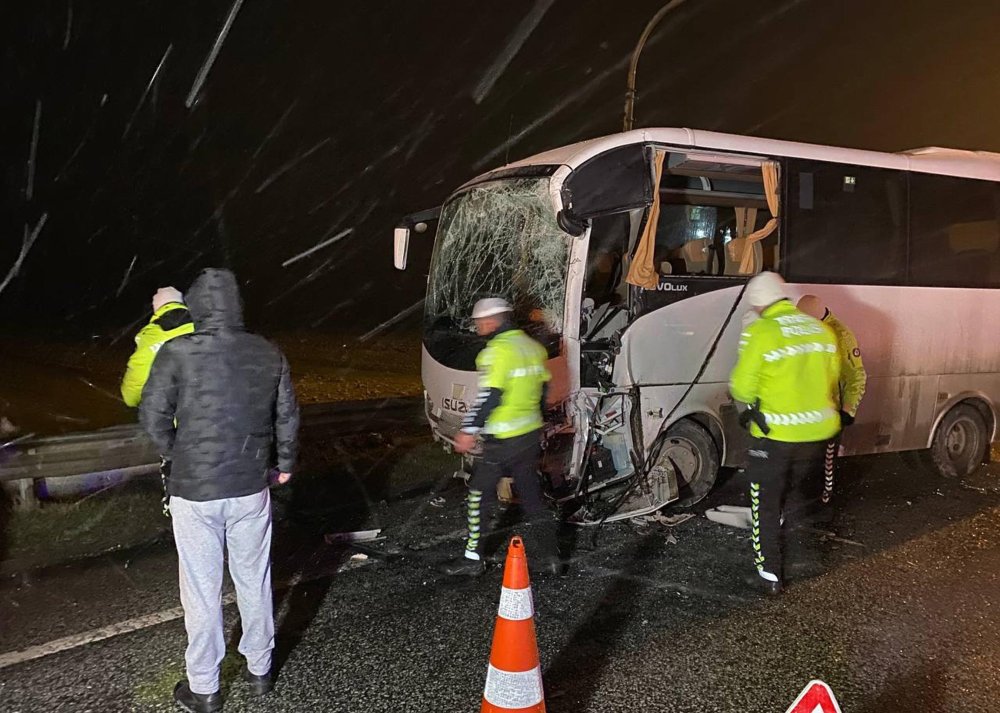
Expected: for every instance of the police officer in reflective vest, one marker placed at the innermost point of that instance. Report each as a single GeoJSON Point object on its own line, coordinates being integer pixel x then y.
{"type": "Point", "coordinates": [170, 319]}
{"type": "Point", "coordinates": [787, 371]}
{"type": "Point", "coordinates": [508, 415]}
{"type": "Point", "coordinates": [853, 379]}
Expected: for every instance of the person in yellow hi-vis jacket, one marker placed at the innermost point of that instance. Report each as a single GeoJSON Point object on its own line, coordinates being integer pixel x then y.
{"type": "Point", "coordinates": [507, 414]}
{"type": "Point", "coordinates": [787, 372]}
{"type": "Point", "coordinates": [170, 319]}
{"type": "Point", "coordinates": [853, 379]}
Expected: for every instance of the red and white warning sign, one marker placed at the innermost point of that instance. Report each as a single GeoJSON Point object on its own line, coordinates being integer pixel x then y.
{"type": "Point", "coordinates": [815, 698]}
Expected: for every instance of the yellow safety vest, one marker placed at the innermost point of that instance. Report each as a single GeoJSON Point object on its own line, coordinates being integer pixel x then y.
{"type": "Point", "coordinates": [853, 377]}
{"type": "Point", "coordinates": [790, 362]}
{"type": "Point", "coordinates": [514, 363]}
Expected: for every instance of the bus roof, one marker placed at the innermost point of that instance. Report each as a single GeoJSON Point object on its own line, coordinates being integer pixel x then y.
{"type": "Point", "coordinates": [942, 161]}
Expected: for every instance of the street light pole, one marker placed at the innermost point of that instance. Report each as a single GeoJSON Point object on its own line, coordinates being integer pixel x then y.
{"type": "Point", "coordinates": [630, 91]}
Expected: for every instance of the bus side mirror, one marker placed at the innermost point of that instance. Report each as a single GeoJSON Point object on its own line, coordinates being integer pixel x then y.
{"type": "Point", "coordinates": [401, 247]}
{"type": "Point", "coordinates": [571, 224]}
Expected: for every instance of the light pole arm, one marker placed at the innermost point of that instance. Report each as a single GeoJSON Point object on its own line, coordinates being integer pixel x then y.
{"type": "Point", "coordinates": [630, 91]}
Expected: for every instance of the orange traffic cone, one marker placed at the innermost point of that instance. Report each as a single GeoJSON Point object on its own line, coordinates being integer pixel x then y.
{"type": "Point", "coordinates": [514, 677]}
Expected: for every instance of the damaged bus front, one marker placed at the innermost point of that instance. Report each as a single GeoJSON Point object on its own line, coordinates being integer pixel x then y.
{"type": "Point", "coordinates": [523, 233]}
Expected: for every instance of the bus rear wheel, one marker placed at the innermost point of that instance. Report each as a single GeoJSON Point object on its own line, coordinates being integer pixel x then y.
{"type": "Point", "coordinates": [960, 442]}
{"type": "Point", "coordinates": [691, 450]}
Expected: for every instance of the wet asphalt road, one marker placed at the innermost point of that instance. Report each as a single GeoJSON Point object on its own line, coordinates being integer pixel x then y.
{"type": "Point", "coordinates": [900, 612]}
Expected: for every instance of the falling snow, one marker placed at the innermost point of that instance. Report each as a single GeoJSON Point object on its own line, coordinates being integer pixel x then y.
{"type": "Point", "coordinates": [213, 54]}
{"type": "Point", "coordinates": [319, 246]}
{"type": "Point", "coordinates": [28, 241]}
{"type": "Point", "coordinates": [517, 40]}
{"type": "Point", "coordinates": [33, 151]}
{"type": "Point", "coordinates": [152, 80]}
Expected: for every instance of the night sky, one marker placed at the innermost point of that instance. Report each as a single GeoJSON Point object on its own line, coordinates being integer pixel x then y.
{"type": "Point", "coordinates": [320, 117]}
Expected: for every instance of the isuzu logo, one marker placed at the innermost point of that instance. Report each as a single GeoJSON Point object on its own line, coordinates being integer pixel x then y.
{"type": "Point", "coordinates": [457, 402]}
{"type": "Point", "coordinates": [455, 405]}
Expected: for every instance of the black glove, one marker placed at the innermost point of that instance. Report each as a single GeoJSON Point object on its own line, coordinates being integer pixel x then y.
{"type": "Point", "coordinates": [846, 419]}
{"type": "Point", "coordinates": [753, 414]}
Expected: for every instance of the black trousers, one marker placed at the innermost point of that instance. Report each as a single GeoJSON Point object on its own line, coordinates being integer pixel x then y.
{"type": "Point", "coordinates": [783, 481]}
{"type": "Point", "coordinates": [516, 458]}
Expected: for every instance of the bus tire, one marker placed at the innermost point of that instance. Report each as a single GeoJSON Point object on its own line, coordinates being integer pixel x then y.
{"type": "Point", "coordinates": [961, 442]}
{"type": "Point", "coordinates": [694, 455]}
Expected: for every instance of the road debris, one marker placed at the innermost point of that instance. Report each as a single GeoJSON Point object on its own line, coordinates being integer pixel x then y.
{"type": "Point", "coordinates": [668, 520]}
{"type": "Point", "coordinates": [358, 536]}
{"type": "Point", "coordinates": [731, 515]}
{"type": "Point", "coordinates": [438, 502]}
{"type": "Point", "coordinates": [832, 536]}
{"type": "Point", "coordinates": [643, 522]}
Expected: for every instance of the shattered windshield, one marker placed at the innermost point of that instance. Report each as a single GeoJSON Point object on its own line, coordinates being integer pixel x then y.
{"type": "Point", "coordinates": [497, 239]}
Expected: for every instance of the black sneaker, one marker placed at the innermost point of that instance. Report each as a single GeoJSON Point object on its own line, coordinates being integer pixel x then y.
{"type": "Point", "coordinates": [464, 567]}
{"type": "Point", "coordinates": [196, 702]}
{"type": "Point", "coordinates": [259, 685]}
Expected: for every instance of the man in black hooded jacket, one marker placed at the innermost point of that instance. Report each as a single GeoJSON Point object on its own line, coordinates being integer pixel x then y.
{"type": "Point", "coordinates": [230, 394]}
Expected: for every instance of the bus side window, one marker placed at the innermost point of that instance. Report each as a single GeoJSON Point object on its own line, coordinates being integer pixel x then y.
{"type": "Point", "coordinates": [845, 223]}
{"type": "Point", "coordinates": [685, 236]}
{"type": "Point", "coordinates": [609, 236]}
{"type": "Point", "coordinates": [954, 231]}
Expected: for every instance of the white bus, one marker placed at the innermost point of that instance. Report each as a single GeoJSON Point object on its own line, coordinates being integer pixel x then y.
{"type": "Point", "coordinates": [628, 256]}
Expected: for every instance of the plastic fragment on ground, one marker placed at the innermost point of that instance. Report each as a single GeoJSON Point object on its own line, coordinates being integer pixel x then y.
{"type": "Point", "coordinates": [661, 519]}
{"type": "Point", "coordinates": [358, 536]}
{"type": "Point", "coordinates": [730, 515]}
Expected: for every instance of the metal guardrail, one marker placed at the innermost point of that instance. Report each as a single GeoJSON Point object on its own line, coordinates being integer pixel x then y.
{"type": "Point", "coordinates": [121, 447]}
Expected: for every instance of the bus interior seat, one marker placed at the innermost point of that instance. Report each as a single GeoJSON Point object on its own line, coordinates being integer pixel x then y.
{"type": "Point", "coordinates": [673, 265]}
{"type": "Point", "coordinates": [695, 254]}
{"type": "Point", "coordinates": [735, 250]}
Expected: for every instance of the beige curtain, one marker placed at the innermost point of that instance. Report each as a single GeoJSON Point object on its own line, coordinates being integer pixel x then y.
{"type": "Point", "coordinates": [745, 219]}
{"type": "Point", "coordinates": [771, 181]}
{"type": "Point", "coordinates": [736, 248]}
{"type": "Point", "coordinates": [642, 272]}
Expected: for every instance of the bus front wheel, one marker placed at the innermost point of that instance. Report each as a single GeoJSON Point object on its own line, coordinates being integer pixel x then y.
{"type": "Point", "coordinates": [691, 450]}
{"type": "Point", "coordinates": [960, 442]}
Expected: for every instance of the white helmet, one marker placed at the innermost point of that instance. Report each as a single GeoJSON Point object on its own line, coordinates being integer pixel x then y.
{"type": "Point", "coordinates": [765, 289]}
{"type": "Point", "coordinates": [490, 307]}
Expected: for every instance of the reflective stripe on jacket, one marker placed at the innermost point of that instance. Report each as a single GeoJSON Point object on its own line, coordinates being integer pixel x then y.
{"type": "Point", "coordinates": [514, 363]}
{"type": "Point", "coordinates": [171, 320]}
{"type": "Point", "coordinates": [789, 361]}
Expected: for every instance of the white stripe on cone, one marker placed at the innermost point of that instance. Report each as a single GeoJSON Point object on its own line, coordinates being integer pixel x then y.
{"type": "Point", "coordinates": [516, 604]}
{"type": "Point", "coordinates": [513, 689]}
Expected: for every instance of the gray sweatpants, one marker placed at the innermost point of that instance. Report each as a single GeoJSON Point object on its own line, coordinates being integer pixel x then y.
{"type": "Point", "coordinates": [201, 531]}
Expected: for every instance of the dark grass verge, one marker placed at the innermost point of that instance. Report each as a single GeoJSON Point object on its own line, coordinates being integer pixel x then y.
{"type": "Point", "coordinates": [117, 518]}
{"type": "Point", "coordinates": [342, 484]}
